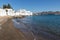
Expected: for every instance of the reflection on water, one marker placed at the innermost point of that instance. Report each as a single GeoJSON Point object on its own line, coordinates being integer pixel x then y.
{"type": "Point", "coordinates": [45, 26]}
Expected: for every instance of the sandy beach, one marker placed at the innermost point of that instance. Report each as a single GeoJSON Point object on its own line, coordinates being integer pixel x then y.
{"type": "Point", "coordinates": [9, 32]}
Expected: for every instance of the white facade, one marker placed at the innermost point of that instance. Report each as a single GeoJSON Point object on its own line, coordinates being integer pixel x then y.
{"type": "Point", "coordinates": [2, 12]}
{"type": "Point", "coordinates": [24, 12]}
{"type": "Point", "coordinates": [11, 12]}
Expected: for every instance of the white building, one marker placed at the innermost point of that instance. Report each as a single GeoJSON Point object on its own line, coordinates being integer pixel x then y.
{"type": "Point", "coordinates": [11, 12]}
{"type": "Point", "coordinates": [24, 12]}
{"type": "Point", "coordinates": [7, 12]}
{"type": "Point", "coordinates": [2, 12]}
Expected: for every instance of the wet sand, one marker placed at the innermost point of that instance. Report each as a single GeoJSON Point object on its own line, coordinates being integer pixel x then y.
{"type": "Point", "coordinates": [9, 32]}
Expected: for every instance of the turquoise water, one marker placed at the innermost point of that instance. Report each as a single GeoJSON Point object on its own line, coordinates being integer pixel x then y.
{"type": "Point", "coordinates": [47, 23]}
{"type": "Point", "coordinates": [45, 26]}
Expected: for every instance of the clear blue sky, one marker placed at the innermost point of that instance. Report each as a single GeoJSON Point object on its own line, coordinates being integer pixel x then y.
{"type": "Point", "coordinates": [33, 5]}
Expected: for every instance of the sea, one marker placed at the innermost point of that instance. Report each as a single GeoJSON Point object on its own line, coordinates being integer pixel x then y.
{"type": "Point", "coordinates": [45, 27]}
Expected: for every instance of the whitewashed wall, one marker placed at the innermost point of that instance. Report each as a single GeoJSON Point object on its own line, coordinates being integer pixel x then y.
{"type": "Point", "coordinates": [24, 12]}
{"type": "Point", "coordinates": [2, 12]}
{"type": "Point", "coordinates": [11, 12]}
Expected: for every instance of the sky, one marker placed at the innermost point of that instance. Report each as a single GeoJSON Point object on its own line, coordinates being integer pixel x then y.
{"type": "Point", "coordinates": [33, 5]}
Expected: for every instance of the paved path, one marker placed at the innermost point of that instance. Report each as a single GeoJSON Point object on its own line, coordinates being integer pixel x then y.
{"type": "Point", "coordinates": [9, 32]}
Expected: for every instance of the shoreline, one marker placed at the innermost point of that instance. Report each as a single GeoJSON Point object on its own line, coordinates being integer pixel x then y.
{"type": "Point", "coordinates": [9, 32]}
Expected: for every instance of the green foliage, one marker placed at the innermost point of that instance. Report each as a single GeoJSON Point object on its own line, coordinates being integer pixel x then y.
{"type": "Point", "coordinates": [7, 6]}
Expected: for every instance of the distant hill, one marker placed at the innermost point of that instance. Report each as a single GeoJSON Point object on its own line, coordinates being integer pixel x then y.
{"type": "Point", "coordinates": [47, 13]}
